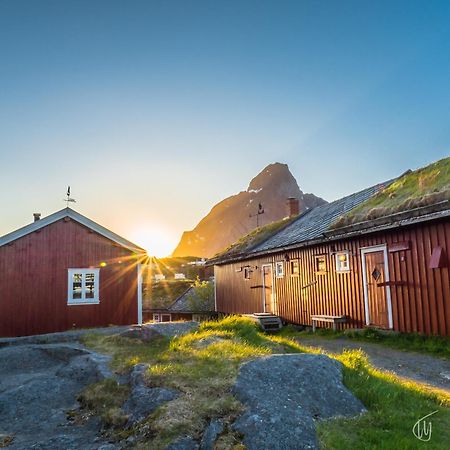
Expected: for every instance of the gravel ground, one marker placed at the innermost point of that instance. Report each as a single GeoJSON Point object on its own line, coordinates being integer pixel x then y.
{"type": "Point", "coordinates": [419, 367]}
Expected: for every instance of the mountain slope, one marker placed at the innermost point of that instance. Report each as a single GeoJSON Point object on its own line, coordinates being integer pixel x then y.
{"type": "Point", "coordinates": [229, 219]}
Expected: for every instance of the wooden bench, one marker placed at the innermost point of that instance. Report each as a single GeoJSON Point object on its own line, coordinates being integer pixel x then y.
{"type": "Point", "coordinates": [325, 318]}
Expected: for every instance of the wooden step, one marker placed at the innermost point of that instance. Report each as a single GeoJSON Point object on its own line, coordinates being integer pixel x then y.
{"type": "Point", "coordinates": [267, 321]}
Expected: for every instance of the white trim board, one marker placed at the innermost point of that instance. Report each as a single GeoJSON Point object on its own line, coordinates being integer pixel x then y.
{"type": "Point", "coordinates": [77, 217]}
{"type": "Point", "coordinates": [264, 288]}
{"type": "Point", "coordinates": [364, 251]}
{"type": "Point", "coordinates": [139, 294]}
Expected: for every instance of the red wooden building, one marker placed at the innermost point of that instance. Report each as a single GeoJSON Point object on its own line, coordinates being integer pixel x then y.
{"type": "Point", "coordinates": [65, 271]}
{"type": "Point", "coordinates": [391, 272]}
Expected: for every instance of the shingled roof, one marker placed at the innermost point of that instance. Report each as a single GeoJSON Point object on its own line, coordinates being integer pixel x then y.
{"type": "Point", "coordinates": [317, 221]}
{"type": "Point", "coordinates": [182, 303]}
{"type": "Point", "coordinates": [309, 226]}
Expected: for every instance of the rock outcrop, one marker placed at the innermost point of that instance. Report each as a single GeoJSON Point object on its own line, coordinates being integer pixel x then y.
{"type": "Point", "coordinates": [284, 395]}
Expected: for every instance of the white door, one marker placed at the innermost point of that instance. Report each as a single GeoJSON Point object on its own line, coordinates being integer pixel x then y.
{"type": "Point", "coordinates": [267, 284]}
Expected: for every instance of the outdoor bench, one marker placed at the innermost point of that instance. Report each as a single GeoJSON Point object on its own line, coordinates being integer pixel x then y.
{"type": "Point", "coordinates": [326, 318]}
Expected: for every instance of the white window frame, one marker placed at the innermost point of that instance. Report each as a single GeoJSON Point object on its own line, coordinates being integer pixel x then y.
{"type": "Point", "coordinates": [339, 264]}
{"type": "Point", "coordinates": [156, 317]}
{"type": "Point", "coordinates": [279, 273]}
{"type": "Point", "coordinates": [83, 300]}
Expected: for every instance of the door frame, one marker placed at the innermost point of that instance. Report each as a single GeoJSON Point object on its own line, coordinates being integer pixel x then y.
{"type": "Point", "coordinates": [264, 287]}
{"type": "Point", "coordinates": [372, 249]}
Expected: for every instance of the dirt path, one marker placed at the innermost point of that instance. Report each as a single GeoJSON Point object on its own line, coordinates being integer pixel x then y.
{"type": "Point", "coordinates": [425, 369]}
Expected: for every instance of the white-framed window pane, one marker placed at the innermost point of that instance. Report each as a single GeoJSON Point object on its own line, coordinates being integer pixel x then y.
{"type": "Point", "coordinates": [342, 262]}
{"type": "Point", "coordinates": [279, 269]}
{"type": "Point", "coordinates": [77, 285]}
{"type": "Point", "coordinates": [90, 285]}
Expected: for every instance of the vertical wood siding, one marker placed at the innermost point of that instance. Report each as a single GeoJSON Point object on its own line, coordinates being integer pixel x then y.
{"type": "Point", "coordinates": [420, 295]}
{"type": "Point", "coordinates": [33, 281]}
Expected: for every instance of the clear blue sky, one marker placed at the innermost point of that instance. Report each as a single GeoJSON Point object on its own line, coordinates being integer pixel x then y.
{"type": "Point", "coordinates": [155, 110]}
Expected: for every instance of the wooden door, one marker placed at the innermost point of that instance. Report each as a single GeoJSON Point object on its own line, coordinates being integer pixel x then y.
{"type": "Point", "coordinates": [267, 289]}
{"type": "Point", "coordinates": [377, 305]}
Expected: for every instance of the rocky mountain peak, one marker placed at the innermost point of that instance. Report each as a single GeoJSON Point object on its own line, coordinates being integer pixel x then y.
{"type": "Point", "coordinates": [234, 216]}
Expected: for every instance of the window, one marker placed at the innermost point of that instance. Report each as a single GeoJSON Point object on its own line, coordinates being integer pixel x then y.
{"type": "Point", "coordinates": [295, 268]}
{"type": "Point", "coordinates": [83, 286]}
{"type": "Point", "coordinates": [279, 269]}
{"type": "Point", "coordinates": [247, 272]}
{"type": "Point", "coordinates": [320, 263]}
{"type": "Point", "coordinates": [155, 317]}
{"type": "Point", "coordinates": [342, 262]}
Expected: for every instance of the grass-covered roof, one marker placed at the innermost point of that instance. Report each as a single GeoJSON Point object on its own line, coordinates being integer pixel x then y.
{"type": "Point", "coordinates": [422, 187]}
{"type": "Point", "coordinates": [255, 237]}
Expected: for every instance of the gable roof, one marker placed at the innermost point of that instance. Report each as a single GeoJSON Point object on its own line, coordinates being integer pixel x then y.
{"type": "Point", "coordinates": [317, 221]}
{"type": "Point", "coordinates": [319, 224]}
{"type": "Point", "coordinates": [77, 217]}
{"type": "Point", "coordinates": [309, 226]}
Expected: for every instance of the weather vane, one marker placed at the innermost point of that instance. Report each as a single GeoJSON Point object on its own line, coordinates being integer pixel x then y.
{"type": "Point", "coordinates": [260, 211]}
{"type": "Point", "coordinates": [68, 199]}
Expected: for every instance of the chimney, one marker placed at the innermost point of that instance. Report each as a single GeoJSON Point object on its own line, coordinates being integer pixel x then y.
{"type": "Point", "coordinates": [37, 216]}
{"type": "Point", "coordinates": [293, 208]}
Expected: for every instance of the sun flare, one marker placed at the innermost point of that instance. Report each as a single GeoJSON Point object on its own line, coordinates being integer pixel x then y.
{"type": "Point", "coordinates": [157, 241]}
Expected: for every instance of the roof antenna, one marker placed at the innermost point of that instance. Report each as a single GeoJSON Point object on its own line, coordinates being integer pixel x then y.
{"type": "Point", "coordinates": [68, 199]}
{"type": "Point", "coordinates": [257, 214]}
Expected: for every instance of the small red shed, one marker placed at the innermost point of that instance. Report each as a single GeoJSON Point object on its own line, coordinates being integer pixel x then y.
{"type": "Point", "coordinates": [65, 271]}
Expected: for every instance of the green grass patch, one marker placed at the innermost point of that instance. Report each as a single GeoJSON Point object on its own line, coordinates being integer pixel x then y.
{"type": "Point", "coordinates": [393, 406]}
{"type": "Point", "coordinates": [255, 237]}
{"type": "Point", "coordinates": [418, 188]}
{"type": "Point", "coordinates": [203, 366]}
{"type": "Point", "coordinates": [105, 399]}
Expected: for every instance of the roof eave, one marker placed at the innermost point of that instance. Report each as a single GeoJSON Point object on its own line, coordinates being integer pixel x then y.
{"type": "Point", "coordinates": [341, 234]}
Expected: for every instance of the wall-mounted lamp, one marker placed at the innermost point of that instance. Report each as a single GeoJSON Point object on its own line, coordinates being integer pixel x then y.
{"type": "Point", "coordinates": [286, 257]}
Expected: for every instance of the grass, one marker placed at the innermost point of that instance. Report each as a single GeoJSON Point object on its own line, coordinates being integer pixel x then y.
{"type": "Point", "coordinates": [432, 345]}
{"type": "Point", "coordinates": [105, 399]}
{"type": "Point", "coordinates": [421, 187]}
{"type": "Point", "coordinates": [255, 237]}
{"type": "Point", "coordinates": [203, 366]}
{"type": "Point", "coordinates": [393, 408]}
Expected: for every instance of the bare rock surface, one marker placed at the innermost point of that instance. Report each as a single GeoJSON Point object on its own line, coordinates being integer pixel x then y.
{"type": "Point", "coordinates": [143, 400]}
{"type": "Point", "coordinates": [183, 443]}
{"type": "Point", "coordinates": [285, 394]}
{"type": "Point", "coordinates": [59, 337]}
{"type": "Point", "coordinates": [150, 331]}
{"type": "Point", "coordinates": [38, 385]}
{"type": "Point", "coordinates": [212, 431]}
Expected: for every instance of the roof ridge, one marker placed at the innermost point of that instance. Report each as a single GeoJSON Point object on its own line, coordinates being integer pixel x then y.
{"type": "Point", "coordinates": [78, 217]}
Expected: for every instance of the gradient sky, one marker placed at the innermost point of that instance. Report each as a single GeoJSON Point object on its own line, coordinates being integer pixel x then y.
{"type": "Point", "coordinates": [155, 110]}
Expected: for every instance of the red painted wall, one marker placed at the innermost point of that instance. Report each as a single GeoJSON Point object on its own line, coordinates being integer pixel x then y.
{"type": "Point", "coordinates": [33, 281]}
{"type": "Point", "coordinates": [420, 294]}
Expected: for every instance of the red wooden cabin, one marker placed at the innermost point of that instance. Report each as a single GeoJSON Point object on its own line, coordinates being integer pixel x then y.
{"type": "Point", "coordinates": [65, 271]}
{"type": "Point", "coordinates": [391, 273]}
